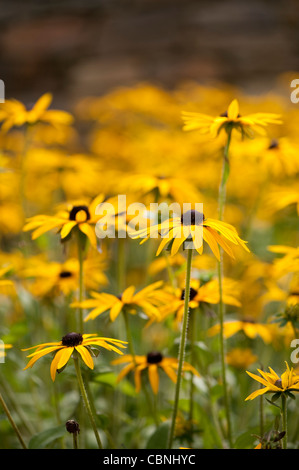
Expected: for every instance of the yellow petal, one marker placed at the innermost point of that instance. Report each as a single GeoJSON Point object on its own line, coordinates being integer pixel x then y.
{"type": "Point", "coordinates": [233, 110]}
{"type": "Point", "coordinates": [154, 377]}
{"type": "Point", "coordinates": [85, 354]}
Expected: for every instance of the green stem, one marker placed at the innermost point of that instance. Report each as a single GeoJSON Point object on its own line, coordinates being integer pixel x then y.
{"type": "Point", "coordinates": [75, 440]}
{"type": "Point", "coordinates": [11, 420]}
{"type": "Point", "coordinates": [170, 270]}
{"type": "Point", "coordinates": [129, 335]}
{"type": "Point", "coordinates": [221, 204]}
{"type": "Point", "coordinates": [284, 420]}
{"type": "Point", "coordinates": [86, 401]}
{"type": "Point", "coordinates": [261, 416]}
{"type": "Point", "coordinates": [17, 409]}
{"type": "Point", "coordinates": [182, 348]}
{"type": "Point", "coordinates": [192, 329]}
{"type": "Point", "coordinates": [81, 283]}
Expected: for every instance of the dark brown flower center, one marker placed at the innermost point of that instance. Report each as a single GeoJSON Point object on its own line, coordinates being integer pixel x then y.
{"type": "Point", "coordinates": [278, 383]}
{"type": "Point", "coordinates": [193, 293]}
{"type": "Point", "coordinates": [65, 274]}
{"type": "Point", "coordinates": [192, 217]}
{"type": "Point", "coordinates": [273, 144]}
{"type": "Point", "coordinates": [72, 339]}
{"type": "Point", "coordinates": [72, 426]}
{"type": "Point", "coordinates": [77, 209]}
{"type": "Point", "coordinates": [226, 115]}
{"type": "Point", "coordinates": [154, 357]}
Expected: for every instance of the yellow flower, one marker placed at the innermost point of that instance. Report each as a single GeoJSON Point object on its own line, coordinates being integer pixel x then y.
{"type": "Point", "coordinates": [70, 343]}
{"type": "Point", "coordinates": [251, 328]}
{"type": "Point", "coordinates": [287, 263]}
{"type": "Point", "coordinates": [153, 361]}
{"type": "Point", "coordinates": [207, 293]}
{"type": "Point", "coordinates": [6, 285]}
{"type": "Point", "coordinates": [14, 113]}
{"type": "Point", "coordinates": [288, 382]}
{"type": "Point", "coordinates": [43, 278]}
{"type": "Point", "coordinates": [280, 197]}
{"type": "Point", "coordinates": [193, 226]}
{"type": "Point", "coordinates": [147, 299]}
{"type": "Point", "coordinates": [240, 358]}
{"type": "Point", "coordinates": [231, 119]}
{"type": "Point", "coordinates": [79, 215]}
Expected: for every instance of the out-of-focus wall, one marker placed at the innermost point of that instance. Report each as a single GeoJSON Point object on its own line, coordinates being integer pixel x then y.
{"type": "Point", "coordinates": [78, 48]}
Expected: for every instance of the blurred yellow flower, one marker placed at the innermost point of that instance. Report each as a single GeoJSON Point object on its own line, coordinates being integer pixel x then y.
{"type": "Point", "coordinates": [241, 358]}
{"type": "Point", "coordinates": [14, 113]}
{"type": "Point", "coordinates": [231, 119]}
{"type": "Point", "coordinates": [80, 215]}
{"type": "Point", "coordinates": [153, 361]}
{"type": "Point", "coordinates": [206, 293]}
{"type": "Point", "coordinates": [250, 328]}
{"type": "Point", "coordinates": [45, 278]}
{"type": "Point", "coordinates": [147, 300]}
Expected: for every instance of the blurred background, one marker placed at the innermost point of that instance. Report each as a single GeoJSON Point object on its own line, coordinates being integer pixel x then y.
{"type": "Point", "coordinates": [74, 48]}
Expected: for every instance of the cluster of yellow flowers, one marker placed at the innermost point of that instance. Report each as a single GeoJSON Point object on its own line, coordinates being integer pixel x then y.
{"type": "Point", "coordinates": [154, 146]}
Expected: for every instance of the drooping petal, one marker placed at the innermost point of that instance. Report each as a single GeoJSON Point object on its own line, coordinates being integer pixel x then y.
{"type": "Point", "coordinates": [90, 233]}
{"type": "Point", "coordinates": [85, 354]}
{"type": "Point", "coordinates": [258, 392]}
{"type": "Point", "coordinates": [61, 358]}
{"type": "Point", "coordinates": [233, 110]}
{"type": "Point", "coordinates": [154, 377]}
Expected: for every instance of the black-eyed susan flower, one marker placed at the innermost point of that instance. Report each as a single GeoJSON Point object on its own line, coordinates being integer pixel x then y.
{"type": "Point", "coordinates": [70, 344]}
{"type": "Point", "coordinates": [200, 294]}
{"type": "Point", "coordinates": [146, 300]}
{"type": "Point", "coordinates": [79, 215]}
{"type": "Point", "coordinates": [249, 326]}
{"type": "Point", "coordinates": [287, 383]}
{"type": "Point", "coordinates": [193, 226]}
{"type": "Point", "coordinates": [153, 361]}
{"type": "Point", "coordinates": [14, 113]}
{"type": "Point", "coordinates": [47, 278]}
{"type": "Point", "coordinates": [240, 358]}
{"type": "Point", "coordinates": [230, 119]}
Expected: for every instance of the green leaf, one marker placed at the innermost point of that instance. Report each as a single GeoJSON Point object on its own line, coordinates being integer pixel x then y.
{"type": "Point", "coordinates": [291, 395]}
{"type": "Point", "coordinates": [247, 439]}
{"type": "Point", "coordinates": [158, 440]}
{"type": "Point", "coordinates": [110, 379]}
{"type": "Point", "coordinates": [44, 438]}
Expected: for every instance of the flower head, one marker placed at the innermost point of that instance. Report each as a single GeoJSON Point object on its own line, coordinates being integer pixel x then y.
{"type": "Point", "coordinates": [249, 326]}
{"type": "Point", "coordinates": [288, 382]}
{"type": "Point", "coordinates": [230, 119]}
{"type": "Point", "coordinates": [152, 361]}
{"type": "Point", "coordinates": [193, 226]}
{"type": "Point", "coordinates": [79, 215]}
{"type": "Point", "coordinates": [69, 344]}
{"type": "Point", "coordinates": [14, 113]}
{"type": "Point", "coordinates": [147, 299]}
{"type": "Point", "coordinates": [200, 294]}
